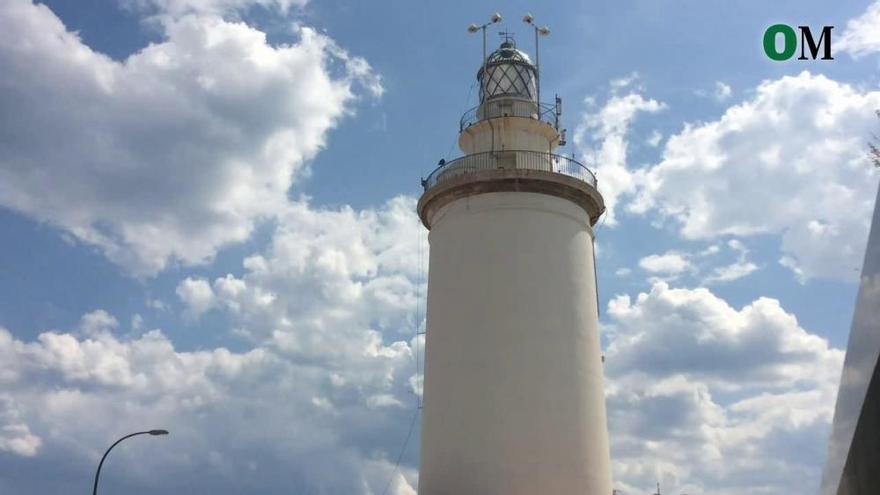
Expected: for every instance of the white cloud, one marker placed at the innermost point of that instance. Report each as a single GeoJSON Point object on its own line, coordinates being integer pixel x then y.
{"type": "Point", "coordinates": [196, 294]}
{"type": "Point", "coordinates": [623, 272]}
{"type": "Point", "coordinates": [862, 34]}
{"type": "Point", "coordinates": [740, 268]}
{"type": "Point", "coordinates": [670, 263]}
{"type": "Point", "coordinates": [156, 304]}
{"type": "Point", "coordinates": [319, 396]}
{"type": "Point", "coordinates": [226, 411]}
{"type": "Point", "coordinates": [759, 345]}
{"type": "Point", "coordinates": [710, 399]}
{"type": "Point", "coordinates": [654, 139]}
{"type": "Point", "coordinates": [722, 91]}
{"type": "Point", "coordinates": [182, 7]}
{"type": "Point", "coordinates": [172, 153]}
{"type": "Point", "coordinates": [791, 161]}
{"type": "Point", "coordinates": [622, 83]}
{"type": "Point", "coordinates": [325, 269]}
{"type": "Point", "coordinates": [711, 250]}
{"type": "Point", "coordinates": [738, 246]}
{"type": "Point", "coordinates": [602, 138]}
{"type": "Point", "coordinates": [731, 272]}
{"type": "Point", "coordinates": [97, 321]}
{"type": "Point", "coordinates": [137, 322]}
{"type": "Point", "coordinates": [15, 434]}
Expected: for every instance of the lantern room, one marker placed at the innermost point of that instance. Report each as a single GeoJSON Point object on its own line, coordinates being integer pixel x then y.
{"type": "Point", "coordinates": [508, 73]}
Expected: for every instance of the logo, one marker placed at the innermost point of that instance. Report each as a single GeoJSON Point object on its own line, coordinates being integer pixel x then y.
{"type": "Point", "coordinates": [790, 43]}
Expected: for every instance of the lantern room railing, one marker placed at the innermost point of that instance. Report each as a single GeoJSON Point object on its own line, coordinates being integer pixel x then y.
{"type": "Point", "coordinates": [508, 107]}
{"type": "Point", "coordinates": [509, 159]}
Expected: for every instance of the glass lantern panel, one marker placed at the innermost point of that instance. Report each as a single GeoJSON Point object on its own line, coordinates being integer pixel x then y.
{"type": "Point", "coordinates": [508, 80]}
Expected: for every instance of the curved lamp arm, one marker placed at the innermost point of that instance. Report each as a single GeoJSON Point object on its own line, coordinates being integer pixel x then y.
{"type": "Point", "coordinates": [98, 472]}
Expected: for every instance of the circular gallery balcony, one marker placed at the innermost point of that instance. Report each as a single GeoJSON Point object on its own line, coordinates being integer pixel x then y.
{"type": "Point", "coordinates": [511, 170]}
{"type": "Point", "coordinates": [527, 160]}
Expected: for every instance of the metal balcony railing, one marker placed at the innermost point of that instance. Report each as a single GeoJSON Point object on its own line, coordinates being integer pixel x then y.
{"type": "Point", "coordinates": [508, 107]}
{"type": "Point", "coordinates": [510, 160]}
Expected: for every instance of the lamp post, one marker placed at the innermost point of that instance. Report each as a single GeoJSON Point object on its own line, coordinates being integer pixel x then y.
{"type": "Point", "coordinates": [543, 31]}
{"type": "Point", "coordinates": [473, 28]}
{"type": "Point", "coordinates": [98, 472]}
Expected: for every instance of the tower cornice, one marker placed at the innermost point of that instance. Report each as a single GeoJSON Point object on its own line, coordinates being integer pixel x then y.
{"type": "Point", "coordinates": [477, 182]}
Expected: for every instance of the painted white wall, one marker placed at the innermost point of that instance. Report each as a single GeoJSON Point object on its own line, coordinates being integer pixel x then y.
{"type": "Point", "coordinates": [514, 400]}
{"type": "Point", "coordinates": [509, 133]}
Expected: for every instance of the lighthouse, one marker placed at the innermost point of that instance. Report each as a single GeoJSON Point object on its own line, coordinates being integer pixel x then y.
{"type": "Point", "coordinates": [513, 392]}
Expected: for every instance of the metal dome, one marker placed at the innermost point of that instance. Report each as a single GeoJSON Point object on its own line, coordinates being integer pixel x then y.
{"type": "Point", "coordinates": [507, 72]}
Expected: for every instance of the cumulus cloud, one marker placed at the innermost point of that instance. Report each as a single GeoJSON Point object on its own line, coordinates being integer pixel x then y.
{"type": "Point", "coordinates": [670, 263]}
{"type": "Point", "coordinates": [702, 396]}
{"type": "Point", "coordinates": [602, 136]}
{"type": "Point", "coordinates": [256, 418]}
{"type": "Point", "coordinates": [97, 321]}
{"type": "Point", "coordinates": [15, 434]}
{"type": "Point", "coordinates": [318, 397]}
{"type": "Point", "coordinates": [707, 398]}
{"type": "Point", "coordinates": [174, 152]}
{"type": "Point", "coordinates": [791, 161]}
{"type": "Point", "coordinates": [196, 295]}
{"type": "Point", "coordinates": [674, 265]}
{"type": "Point", "coordinates": [862, 35]}
{"type": "Point", "coordinates": [323, 269]}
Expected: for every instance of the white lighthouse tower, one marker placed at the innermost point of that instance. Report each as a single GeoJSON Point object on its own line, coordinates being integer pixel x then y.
{"type": "Point", "coordinates": [513, 397]}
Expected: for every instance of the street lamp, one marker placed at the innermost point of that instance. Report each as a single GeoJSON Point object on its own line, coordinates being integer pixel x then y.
{"type": "Point", "coordinates": [543, 31]}
{"type": "Point", "coordinates": [473, 28]}
{"type": "Point", "coordinates": [98, 472]}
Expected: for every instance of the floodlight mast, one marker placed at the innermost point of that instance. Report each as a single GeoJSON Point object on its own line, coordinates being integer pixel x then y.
{"type": "Point", "coordinates": [473, 28]}
{"type": "Point", "coordinates": [542, 31]}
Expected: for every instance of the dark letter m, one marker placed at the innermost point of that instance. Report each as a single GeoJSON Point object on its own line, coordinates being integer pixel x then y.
{"type": "Point", "coordinates": [807, 40]}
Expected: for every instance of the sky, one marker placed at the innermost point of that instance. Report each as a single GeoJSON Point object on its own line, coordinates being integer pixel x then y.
{"type": "Point", "coordinates": [207, 211]}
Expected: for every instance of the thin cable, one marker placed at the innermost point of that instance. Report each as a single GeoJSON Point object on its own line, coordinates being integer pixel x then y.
{"type": "Point", "coordinates": [466, 100]}
{"type": "Point", "coordinates": [418, 321]}
{"type": "Point", "coordinates": [412, 424]}
{"type": "Point", "coordinates": [419, 318]}
{"type": "Point", "coordinates": [601, 223]}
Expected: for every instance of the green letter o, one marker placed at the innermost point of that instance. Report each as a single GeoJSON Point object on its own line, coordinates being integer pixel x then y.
{"type": "Point", "coordinates": [789, 47]}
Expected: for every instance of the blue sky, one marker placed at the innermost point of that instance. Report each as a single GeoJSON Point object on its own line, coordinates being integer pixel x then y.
{"type": "Point", "coordinates": [208, 214]}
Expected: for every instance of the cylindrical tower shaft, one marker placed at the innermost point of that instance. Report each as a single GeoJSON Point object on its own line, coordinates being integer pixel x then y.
{"type": "Point", "coordinates": [514, 398]}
